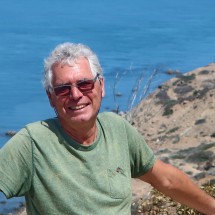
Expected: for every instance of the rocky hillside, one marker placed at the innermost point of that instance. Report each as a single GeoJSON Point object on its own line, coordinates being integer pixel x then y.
{"type": "Point", "coordinates": [178, 122]}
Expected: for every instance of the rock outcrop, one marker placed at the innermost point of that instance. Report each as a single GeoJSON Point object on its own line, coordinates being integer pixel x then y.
{"type": "Point", "coordinates": [178, 122]}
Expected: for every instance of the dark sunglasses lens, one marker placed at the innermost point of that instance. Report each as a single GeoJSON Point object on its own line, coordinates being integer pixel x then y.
{"type": "Point", "coordinates": [62, 91]}
{"type": "Point", "coordinates": [85, 85]}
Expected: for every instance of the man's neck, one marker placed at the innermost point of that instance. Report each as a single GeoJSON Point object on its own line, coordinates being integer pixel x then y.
{"type": "Point", "coordinates": [84, 136]}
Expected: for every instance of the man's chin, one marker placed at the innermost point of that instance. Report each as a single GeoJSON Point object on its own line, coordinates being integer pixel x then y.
{"type": "Point", "coordinates": [80, 118]}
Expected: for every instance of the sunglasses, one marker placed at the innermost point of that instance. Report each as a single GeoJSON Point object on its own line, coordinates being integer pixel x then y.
{"type": "Point", "coordinates": [83, 86]}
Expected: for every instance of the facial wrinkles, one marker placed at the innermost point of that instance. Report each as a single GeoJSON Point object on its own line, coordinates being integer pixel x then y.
{"type": "Point", "coordinates": [78, 100]}
{"type": "Point", "coordinates": [78, 107]}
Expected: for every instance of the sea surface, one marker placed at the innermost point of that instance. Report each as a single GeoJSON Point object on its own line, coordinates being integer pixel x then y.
{"type": "Point", "coordinates": [132, 39]}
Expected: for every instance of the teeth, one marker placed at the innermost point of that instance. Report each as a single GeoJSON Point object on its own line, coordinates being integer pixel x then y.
{"type": "Point", "coordinates": [77, 107]}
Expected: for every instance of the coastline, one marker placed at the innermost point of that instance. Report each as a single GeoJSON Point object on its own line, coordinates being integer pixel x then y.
{"type": "Point", "coordinates": [187, 127]}
{"type": "Point", "coordinates": [177, 121]}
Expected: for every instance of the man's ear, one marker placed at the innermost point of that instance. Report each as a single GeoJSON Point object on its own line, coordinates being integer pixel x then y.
{"type": "Point", "coordinates": [50, 98]}
{"type": "Point", "coordinates": [102, 83]}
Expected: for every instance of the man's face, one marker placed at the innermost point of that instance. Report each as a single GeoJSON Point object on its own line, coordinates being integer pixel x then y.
{"type": "Point", "coordinates": [78, 108]}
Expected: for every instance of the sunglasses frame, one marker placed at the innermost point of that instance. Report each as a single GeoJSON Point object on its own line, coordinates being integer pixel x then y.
{"type": "Point", "coordinates": [76, 85]}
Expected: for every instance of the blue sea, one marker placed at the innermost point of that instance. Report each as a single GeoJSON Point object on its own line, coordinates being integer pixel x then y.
{"type": "Point", "coordinates": [130, 38]}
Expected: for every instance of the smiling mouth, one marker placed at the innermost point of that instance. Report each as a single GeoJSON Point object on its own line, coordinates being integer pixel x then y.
{"type": "Point", "coordinates": [77, 107]}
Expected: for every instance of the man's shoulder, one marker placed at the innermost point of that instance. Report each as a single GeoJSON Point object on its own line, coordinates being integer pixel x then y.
{"type": "Point", "coordinates": [111, 119]}
{"type": "Point", "coordinates": [42, 125]}
{"type": "Point", "coordinates": [109, 116]}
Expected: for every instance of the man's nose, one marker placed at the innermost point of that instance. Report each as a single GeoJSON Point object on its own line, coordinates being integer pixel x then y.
{"type": "Point", "coordinates": [75, 93]}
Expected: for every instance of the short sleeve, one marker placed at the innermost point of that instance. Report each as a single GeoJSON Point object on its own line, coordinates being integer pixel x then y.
{"type": "Point", "coordinates": [16, 165]}
{"type": "Point", "coordinates": [142, 157]}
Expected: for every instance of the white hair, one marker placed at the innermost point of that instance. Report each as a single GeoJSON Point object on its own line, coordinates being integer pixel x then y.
{"type": "Point", "coordinates": [67, 53]}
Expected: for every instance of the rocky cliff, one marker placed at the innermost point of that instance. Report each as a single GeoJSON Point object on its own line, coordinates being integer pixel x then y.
{"type": "Point", "coordinates": [178, 122]}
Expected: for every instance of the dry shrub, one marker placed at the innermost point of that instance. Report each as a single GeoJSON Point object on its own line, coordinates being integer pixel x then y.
{"type": "Point", "coordinates": [160, 204]}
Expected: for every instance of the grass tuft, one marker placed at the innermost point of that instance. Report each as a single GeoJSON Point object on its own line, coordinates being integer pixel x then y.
{"type": "Point", "coordinates": [158, 203]}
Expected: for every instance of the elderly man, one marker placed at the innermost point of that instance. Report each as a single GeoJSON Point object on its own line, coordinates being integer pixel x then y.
{"type": "Point", "coordinates": [82, 162]}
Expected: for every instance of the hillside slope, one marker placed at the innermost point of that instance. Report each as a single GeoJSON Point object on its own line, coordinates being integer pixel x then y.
{"type": "Point", "coordinates": [178, 122]}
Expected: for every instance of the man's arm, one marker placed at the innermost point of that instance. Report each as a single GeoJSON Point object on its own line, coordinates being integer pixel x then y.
{"type": "Point", "coordinates": [175, 184]}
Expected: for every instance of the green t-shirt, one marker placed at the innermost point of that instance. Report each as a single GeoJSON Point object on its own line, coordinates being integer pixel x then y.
{"type": "Point", "coordinates": [59, 176]}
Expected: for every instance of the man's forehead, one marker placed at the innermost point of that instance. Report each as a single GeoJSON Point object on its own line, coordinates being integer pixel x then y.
{"type": "Point", "coordinates": [71, 62]}
{"type": "Point", "coordinates": [80, 69]}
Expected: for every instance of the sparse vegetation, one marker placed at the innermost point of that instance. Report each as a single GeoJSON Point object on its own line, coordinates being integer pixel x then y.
{"type": "Point", "coordinates": [168, 104]}
{"type": "Point", "coordinates": [182, 79]}
{"type": "Point", "coordinates": [188, 78]}
{"type": "Point", "coordinates": [175, 139]}
{"type": "Point", "coordinates": [200, 93]}
{"type": "Point", "coordinates": [158, 203]}
{"type": "Point", "coordinates": [197, 154]}
{"type": "Point", "coordinates": [200, 121]}
{"type": "Point", "coordinates": [204, 72]}
{"type": "Point", "coordinates": [173, 130]}
{"type": "Point", "coordinates": [183, 90]}
{"type": "Point", "coordinates": [167, 111]}
{"type": "Point", "coordinates": [162, 96]}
